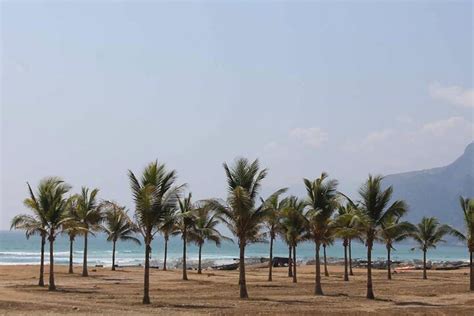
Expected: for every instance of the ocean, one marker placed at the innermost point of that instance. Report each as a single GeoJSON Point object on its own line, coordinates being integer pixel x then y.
{"type": "Point", "coordinates": [15, 249]}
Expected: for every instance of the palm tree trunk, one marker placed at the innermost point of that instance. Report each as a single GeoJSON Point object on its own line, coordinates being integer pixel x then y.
{"type": "Point", "coordinates": [294, 264]}
{"type": "Point", "coordinates": [350, 258]}
{"type": "Point", "coordinates": [290, 271]}
{"type": "Point", "coordinates": [84, 262]}
{"type": "Point", "coordinates": [318, 290]}
{"type": "Point", "coordinates": [389, 263]}
{"type": "Point", "coordinates": [166, 253]}
{"type": "Point", "coordinates": [41, 276]}
{"type": "Point", "coordinates": [185, 272]}
{"type": "Point", "coordinates": [424, 265]}
{"type": "Point", "coordinates": [326, 272]}
{"type": "Point", "coordinates": [146, 282]}
{"type": "Point", "coordinates": [242, 283]}
{"type": "Point", "coordinates": [199, 259]}
{"type": "Point", "coordinates": [52, 285]}
{"type": "Point", "coordinates": [113, 256]}
{"type": "Point", "coordinates": [346, 275]}
{"type": "Point", "coordinates": [471, 271]}
{"type": "Point", "coordinates": [71, 246]}
{"type": "Point", "coordinates": [370, 291]}
{"type": "Point", "coordinates": [270, 263]}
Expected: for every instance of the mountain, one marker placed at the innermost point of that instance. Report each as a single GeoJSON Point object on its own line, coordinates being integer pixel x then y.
{"type": "Point", "coordinates": [435, 192]}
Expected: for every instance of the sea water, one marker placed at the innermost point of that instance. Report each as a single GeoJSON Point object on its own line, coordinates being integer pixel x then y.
{"type": "Point", "coordinates": [15, 249]}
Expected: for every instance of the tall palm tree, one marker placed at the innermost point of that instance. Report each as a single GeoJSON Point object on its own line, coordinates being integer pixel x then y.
{"type": "Point", "coordinates": [185, 222]}
{"type": "Point", "coordinates": [375, 208]}
{"type": "Point", "coordinates": [34, 224]}
{"type": "Point", "coordinates": [467, 206]}
{"type": "Point", "coordinates": [322, 201]}
{"type": "Point", "coordinates": [244, 219]}
{"type": "Point", "coordinates": [205, 228]}
{"type": "Point", "coordinates": [347, 227]}
{"type": "Point", "coordinates": [90, 217]}
{"type": "Point", "coordinates": [117, 226]}
{"type": "Point", "coordinates": [154, 195]}
{"type": "Point", "coordinates": [294, 225]}
{"type": "Point", "coordinates": [428, 233]}
{"type": "Point", "coordinates": [167, 229]}
{"type": "Point", "coordinates": [274, 208]}
{"type": "Point", "coordinates": [393, 230]}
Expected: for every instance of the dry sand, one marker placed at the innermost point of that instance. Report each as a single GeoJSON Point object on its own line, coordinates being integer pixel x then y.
{"type": "Point", "coordinates": [216, 292]}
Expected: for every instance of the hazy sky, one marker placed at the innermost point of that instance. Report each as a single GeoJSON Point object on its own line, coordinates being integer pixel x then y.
{"type": "Point", "coordinates": [91, 89]}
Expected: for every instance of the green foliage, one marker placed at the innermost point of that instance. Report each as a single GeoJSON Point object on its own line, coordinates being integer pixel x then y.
{"type": "Point", "coordinates": [117, 224]}
{"type": "Point", "coordinates": [429, 232]}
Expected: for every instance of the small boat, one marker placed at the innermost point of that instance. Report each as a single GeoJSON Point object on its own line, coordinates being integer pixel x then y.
{"type": "Point", "coordinates": [231, 266]}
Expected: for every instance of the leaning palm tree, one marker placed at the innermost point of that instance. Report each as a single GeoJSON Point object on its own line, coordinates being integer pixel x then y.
{"type": "Point", "coordinates": [347, 227]}
{"type": "Point", "coordinates": [393, 230]}
{"type": "Point", "coordinates": [205, 229]}
{"type": "Point", "coordinates": [184, 224]}
{"type": "Point", "coordinates": [167, 229]}
{"type": "Point", "coordinates": [467, 206]}
{"type": "Point", "coordinates": [154, 195]}
{"type": "Point", "coordinates": [294, 225]}
{"type": "Point", "coordinates": [322, 202]}
{"type": "Point", "coordinates": [90, 217]}
{"type": "Point", "coordinates": [274, 206]}
{"type": "Point", "coordinates": [428, 233]}
{"type": "Point", "coordinates": [117, 226]}
{"type": "Point", "coordinates": [243, 218]}
{"type": "Point", "coordinates": [35, 224]}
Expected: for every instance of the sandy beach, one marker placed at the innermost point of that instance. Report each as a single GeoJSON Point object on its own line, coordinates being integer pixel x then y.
{"type": "Point", "coordinates": [106, 292]}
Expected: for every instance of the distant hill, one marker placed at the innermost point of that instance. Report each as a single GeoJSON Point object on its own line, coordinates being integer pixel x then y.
{"type": "Point", "coordinates": [435, 192]}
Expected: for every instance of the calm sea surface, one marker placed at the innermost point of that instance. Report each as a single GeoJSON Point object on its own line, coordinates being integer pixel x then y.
{"type": "Point", "coordinates": [16, 249]}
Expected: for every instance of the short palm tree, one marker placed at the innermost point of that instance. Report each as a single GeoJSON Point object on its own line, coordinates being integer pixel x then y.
{"type": "Point", "coordinates": [90, 217]}
{"type": "Point", "coordinates": [322, 201]}
{"type": "Point", "coordinates": [184, 224]}
{"type": "Point", "coordinates": [428, 233]}
{"type": "Point", "coordinates": [328, 240]}
{"type": "Point", "coordinates": [117, 225]}
{"type": "Point", "coordinates": [347, 227]}
{"type": "Point", "coordinates": [393, 230]}
{"type": "Point", "coordinates": [274, 207]}
{"type": "Point", "coordinates": [243, 218]}
{"type": "Point", "coordinates": [374, 207]}
{"type": "Point", "coordinates": [72, 228]}
{"type": "Point", "coordinates": [167, 229]}
{"type": "Point", "coordinates": [154, 195]}
{"type": "Point", "coordinates": [35, 224]}
{"type": "Point", "coordinates": [467, 206]}
{"type": "Point", "coordinates": [294, 225]}
{"type": "Point", "coordinates": [205, 229]}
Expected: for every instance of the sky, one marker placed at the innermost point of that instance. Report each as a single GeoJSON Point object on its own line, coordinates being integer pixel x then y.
{"type": "Point", "coordinates": [92, 89]}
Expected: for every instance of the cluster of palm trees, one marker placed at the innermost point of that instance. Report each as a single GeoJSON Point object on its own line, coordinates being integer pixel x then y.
{"type": "Point", "coordinates": [161, 207]}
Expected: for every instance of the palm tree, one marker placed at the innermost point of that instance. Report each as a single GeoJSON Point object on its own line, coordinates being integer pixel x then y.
{"type": "Point", "coordinates": [328, 240]}
{"type": "Point", "coordinates": [72, 228]}
{"type": "Point", "coordinates": [347, 227]}
{"type": "Point", "coordinates": [118, 225]}
{"type": "Point", "coordinates": [391, 231]}
{"type": "Point", "coordinates": [36, 223]}
{"type": "Point", "coordinates": [168, 228]}
{"type": "Point", "coordinates": [90, 217]}
{"type": "Point", "coordinates": [294, 225]}
{"type": "Point", "coordinates": [467, 206]}
{"type": "Point", "coordinates": [322, 201]}
{"type": "Point", "coordinates": [274, 207]}
{"type": "Point", "coordinates": [374, 207]}
{"type": "Point", "coordinates": [428, 233]}
{"type": "Point", "coordinates": [154, 195]}
{"type": "Point", "coordinates": [240, 213]}
{"type": "Point", "coordinates": [205, 228]}
{"type": "Point", "coordinates": [184, 224]}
